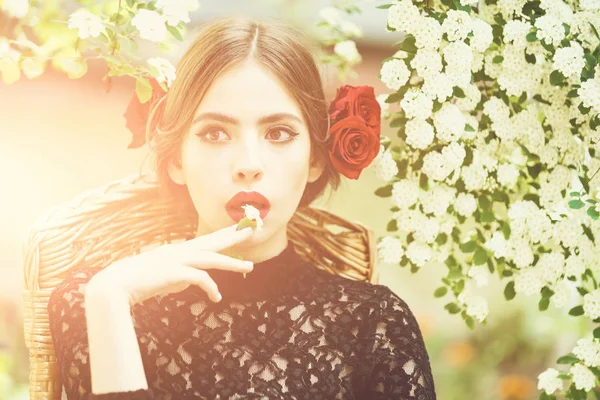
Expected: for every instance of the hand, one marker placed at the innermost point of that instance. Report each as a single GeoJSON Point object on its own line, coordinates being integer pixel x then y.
{"type": "Point", "coordinates": [173, 267]}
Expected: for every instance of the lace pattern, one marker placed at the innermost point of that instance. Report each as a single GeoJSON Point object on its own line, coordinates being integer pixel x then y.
{"type": "Point", "coordinates": [312, 336]}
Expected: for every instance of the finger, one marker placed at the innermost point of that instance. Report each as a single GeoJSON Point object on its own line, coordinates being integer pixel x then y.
{"type": "Point", "coordinates": [202, 279]}
{"type": "Point", "coordinates": [209, 260]}
{"type": "Point", "coordinates": [221, 239]}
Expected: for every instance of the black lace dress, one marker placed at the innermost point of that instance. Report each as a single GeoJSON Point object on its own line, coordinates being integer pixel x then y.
{"type": "Point", "coordinates": [287, 331]}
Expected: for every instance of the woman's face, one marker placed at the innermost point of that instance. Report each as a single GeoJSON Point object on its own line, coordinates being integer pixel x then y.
{"type": "Point", "coordinates": [248, 134]}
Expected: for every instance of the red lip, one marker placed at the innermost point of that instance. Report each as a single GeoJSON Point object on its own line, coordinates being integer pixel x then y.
{"type": "Point", "coordinates": [234, 205]}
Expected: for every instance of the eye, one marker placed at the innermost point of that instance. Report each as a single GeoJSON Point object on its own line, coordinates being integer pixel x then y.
{"type": "Point", "coordinates": [292, 135]}
{"type": "Point", "coordinates": [209, 133]}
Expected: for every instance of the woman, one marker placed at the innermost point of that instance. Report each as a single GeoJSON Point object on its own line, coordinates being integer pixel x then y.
{"type": "Point", "coordinates": [245, 122]}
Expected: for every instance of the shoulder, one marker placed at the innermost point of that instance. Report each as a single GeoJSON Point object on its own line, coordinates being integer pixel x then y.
{"type": "Point", "coordinates": [72, 288]}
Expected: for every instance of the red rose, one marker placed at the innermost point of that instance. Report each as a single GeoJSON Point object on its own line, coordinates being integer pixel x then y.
{"type": "Point", "coordinates": [137, 114]}
{"type": "Point", "coordinates": [353, 146]}
{"type": "Point", "coordinates": [359, 101]}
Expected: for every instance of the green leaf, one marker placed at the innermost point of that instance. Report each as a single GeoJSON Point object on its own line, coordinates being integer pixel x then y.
{"type": "Point", "coordinates": [392, 226]}
{"type": "Point", "coordinates": [408, 44]}
{"type": "Point", "coordinates": [143, 88]}
{"type": "Point", "coordinates": [509, 290]}
{"type": "Point", "coordinates": [574, 194]}
{"type": "Point", "coordinates": [480, 256]}
{"type": "Point", "coordinates": [497, 59]}
{"type": "Point", "coordinates": [543, 304]}
{"type": "Point", "coordinates": [531, 37]}
{"type": "Point", "coordinates": [458, 92]}
{"type": "Point", "coordinates": [576, 311]}
{"type": "Point", "coordinates": [470, 322]}
{"type": "Point", "coordinates": [440, 292]}
{"type": "Point", "coordinates": [468, 247]}
{"type": "Point", "coordinates": [175, 32]}
{"type": "Point", "coordinates": [385, 191]}
{"type": "Point", "coordinates": [597, 333]}
{"type": "Point", "coordinates": [593, 213]}
{"type": "Point", "coordinates": [568, 359]}
{"type": "Point", "coordinates": [576, 204]}
{"type": "Point", "coordinates": [469, 128]}
{"type": "Point", "coordinates": [384, 6]}
{"type": "Point", "coordinates": [556, 78]}
{"type": "Point", "coordinates": [595, 30]}
{"type": "Point", "coordinates": [452, 308]}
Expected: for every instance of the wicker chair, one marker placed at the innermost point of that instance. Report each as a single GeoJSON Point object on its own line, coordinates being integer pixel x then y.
{"type": "Point", "coordinates": [76, 234]}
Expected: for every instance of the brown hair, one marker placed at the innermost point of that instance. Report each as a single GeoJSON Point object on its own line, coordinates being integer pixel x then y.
{"type": "Point", "coordinates": [225, 43]}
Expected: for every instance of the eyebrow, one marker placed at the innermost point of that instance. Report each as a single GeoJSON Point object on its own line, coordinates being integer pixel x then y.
{"type": "Point", "coordinates": [231, 120]}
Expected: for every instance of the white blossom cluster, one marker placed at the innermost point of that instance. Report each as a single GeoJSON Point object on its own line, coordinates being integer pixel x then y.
{"type": "Point", "coordinates": [385, 165]}
{"type": "Point", "coordinates": [405, 193]}
{"type": "Point", "coordinates": [476, 306]}
{"type": "Point", "coordinates": [582, 377]}
{"type": "Point", "coordinates": [549, 381]}
{"type": "Point", "coordinates": [591, 304]}
{"type": "Point", "coordinates": [390, 250]}
{"type": "Point", "coordinates": [588, 351]}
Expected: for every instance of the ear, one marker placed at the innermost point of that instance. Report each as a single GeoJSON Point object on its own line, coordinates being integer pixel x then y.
{"type": "Point", "coordinates": [176, 172]}
{"type": "Point", "coordinates": [315, 171]}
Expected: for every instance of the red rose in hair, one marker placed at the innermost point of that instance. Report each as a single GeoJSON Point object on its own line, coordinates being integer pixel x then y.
{"type": "Point", "coordinates": [353, 146]}
{"type": "Point", "coordinates": [137, 114]}
{"type": "Point", "coordinates": [359, 101]}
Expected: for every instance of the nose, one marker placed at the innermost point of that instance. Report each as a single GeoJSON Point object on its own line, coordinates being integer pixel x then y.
{"type": "Point", "coordinates": [247, 163]}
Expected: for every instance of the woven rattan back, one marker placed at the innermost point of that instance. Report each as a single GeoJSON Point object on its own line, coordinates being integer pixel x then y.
{"type": "Point", "coordinates": [130, 216]}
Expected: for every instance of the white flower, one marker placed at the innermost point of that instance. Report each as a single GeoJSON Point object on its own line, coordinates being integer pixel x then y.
{"type": "Point", "coordinates": [331, 15]}
{"type": "Point", "coordinates": [549, 381]}
{"type": "Point", "coordinates": [583, 378]}
{"type": "Point", "coordinates": [507, 175]}
{"type": "Point", "coordinates": [394, 73]}
{"type": "Point", "coordinates": [416, 104]}
{"type": "Point", "coordinates": [465, 204]}
{"type": "Point", "coordinates": [516, 32]}
{"type": "Point", "coordinates": [165, 69]}
{"type": "Point", "coordinates": [550, 29]}
{"type": "Point", "coordinates": [390, 250]}
{"type": "Point", "coordinates": [348, 51]}
{"type": "Point", "coordinates": [150, 24]}
{"type": "Point", "coordinates": [438, 86]}
{"type": "Point", "coordinates": [588, 92]}
{"type": "Point", "coordinates": [253, 214]}
{"type": "Point", "coordinates": [350, 29]}
{"type": "Point", "coordinates": [479, 274]}
{"type": "Point", "coordinates": [427, 63]}
{"type": "Point", "coordinates": [591, 304]}
{"type": "Point", "coordinates": [405, 193]}
{"type": "Point", "coordinates": [427, 231]}
{"type": "Point", "coordinates": [457, 25]}
{"type": "Point", "coordinates": [562, 293]}
{"type": "Point", "coordinates": [385, 165]}
{"type": "Point", "coordinates": [528, 281]}
{"type": "Point", "coordinates": [419, 133]}
{"type": "Point", "coordinates": [449, 123]}
{"type": "Point", "coordinates": [428, 34]}
{"type": "Point", "coordinates": [477, 307]}
{"type": "Point", "coordinates": [89, 25]}
{"type": "Point", "coordinates": [404, 16]}
{"type": "Point", "coordinates": [418, 253]}
{"type": "Point", "coordinates": [16, 8]}
{"type": "Point", "coordinates": [176, 11]}
{"type": "Point", "coordinates": [482, 35]}
{"type": "Point", "coordinates": [569, 60]}
{"type": "Point", "coordinates": [498, 244]}
{"type": "Point", "coordinates": [588, 350]}
{"type": "Point", "coordinates": [589, 4]}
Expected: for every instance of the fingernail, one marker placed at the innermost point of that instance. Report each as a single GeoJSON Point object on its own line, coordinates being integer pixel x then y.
{"type": "Point", "coordinates": [219, 297]}
{"type": "Point", "coordinates": [249, 264]}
